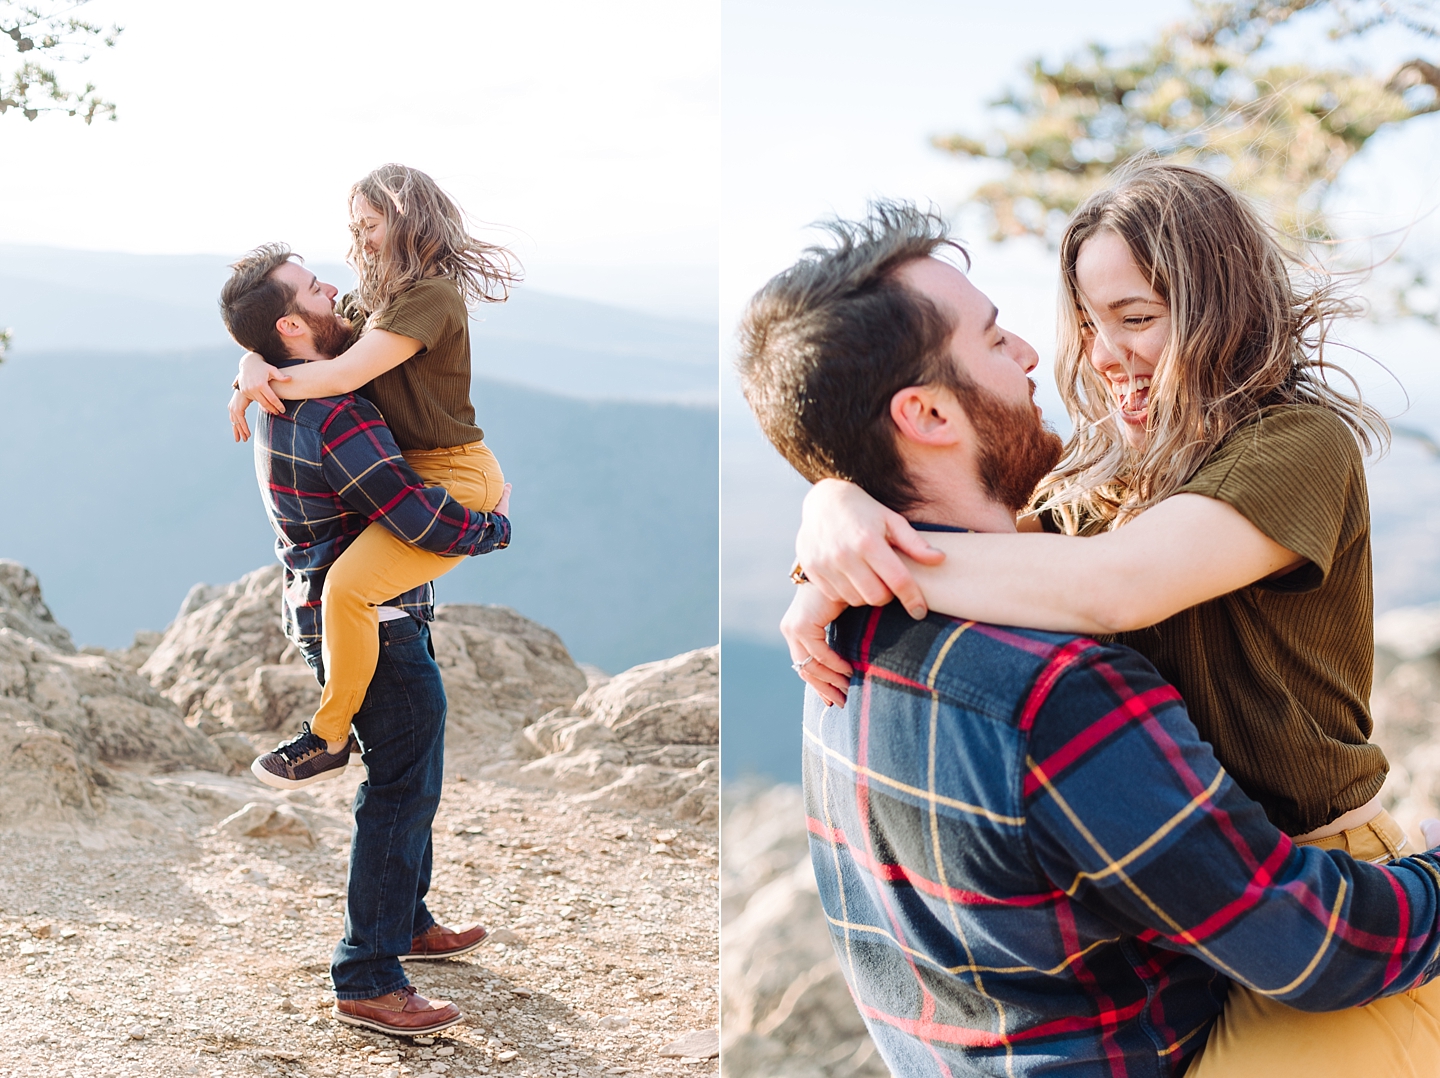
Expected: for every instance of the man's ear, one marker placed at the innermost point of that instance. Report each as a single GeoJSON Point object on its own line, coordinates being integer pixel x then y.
{"type": "Point", "coordinates": [290, 325]}
{"type": "Point", "coordinates": [927, 415]}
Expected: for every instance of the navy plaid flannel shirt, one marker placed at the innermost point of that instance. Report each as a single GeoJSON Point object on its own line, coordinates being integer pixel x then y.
{"type": "Point", "coordinates": [329, 467]}
{"type": "Point", "coordinates": [1031, 864]}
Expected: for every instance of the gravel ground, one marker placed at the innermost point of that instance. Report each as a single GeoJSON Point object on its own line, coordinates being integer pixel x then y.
{"type": "Point", "coordinates": [212, 957]}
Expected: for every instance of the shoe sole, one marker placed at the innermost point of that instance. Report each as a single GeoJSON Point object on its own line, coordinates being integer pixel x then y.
{"type": "Point", "coordinates": [279, 782]}
{"type": "Point", "coordinates": [435, 956]}
{"type": "Point", "coordinates": [381, 1027]}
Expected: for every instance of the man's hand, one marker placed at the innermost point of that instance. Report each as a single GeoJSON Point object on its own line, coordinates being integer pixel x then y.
{"type": "Point", "coordinates": [239, 426]}
{"type": "Point", "coordinates": [847, 547]}
{"type": "Point", "coordinates": [503, 505]}
{"type": "Point", "coordinates": [803, 627]}
{"type": "Point", "coordinates": [254, 382]}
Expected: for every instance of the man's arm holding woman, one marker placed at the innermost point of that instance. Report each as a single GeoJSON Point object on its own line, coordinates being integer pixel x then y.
{"type": "Point", "coordinates": [1131, 817]}
{"type": "Point", "coordinates": [366, 468]}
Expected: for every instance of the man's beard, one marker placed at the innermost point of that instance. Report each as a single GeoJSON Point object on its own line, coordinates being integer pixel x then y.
{"type": "Point", "coordinates": [1016, 450]}
{"type": "Point", "coordinates": [331, 333]}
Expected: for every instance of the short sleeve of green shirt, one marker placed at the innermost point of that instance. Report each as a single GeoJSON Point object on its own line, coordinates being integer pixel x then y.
{"type": "Point", "coordinates": [1294, 475]}
{"type": "Point", "coordinates": [426, 399]}
{"type": "Point", "coordinates": [430, 311]}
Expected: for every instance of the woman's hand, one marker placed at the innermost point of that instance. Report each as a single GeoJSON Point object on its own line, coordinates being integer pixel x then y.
{"type": "Point", "coordinates": [1430, 828]}
{"type": "Point", "coordinates": [239, 426]}
{"type": "Point", "coordinates": [254, 383]}
{"type": "Point", "coordinates": [848, 545]}
{"type": "Point", "coordinates": [803, 627]}
{"type": "Point", "coordinates": [503, 505]}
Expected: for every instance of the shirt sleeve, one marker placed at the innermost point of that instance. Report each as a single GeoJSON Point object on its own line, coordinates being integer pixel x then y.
{"type": "Point", "coordinates": [1292, 474]}
{"type": "Point", "coordinates": [429, 311]}
{"type": "Point", "coordinates": [364, 466]}
{"type": "Point", "coordinates": [1136, 823]}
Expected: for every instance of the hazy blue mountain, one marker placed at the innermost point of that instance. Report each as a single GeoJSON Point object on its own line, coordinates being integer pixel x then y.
{"type": "Point", "coordinates": [121, 487]}
{"type": "Point", "coordinates": [763, 701]}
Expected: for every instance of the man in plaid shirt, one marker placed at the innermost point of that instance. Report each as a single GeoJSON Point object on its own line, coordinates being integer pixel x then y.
{"type": "Point", "coordinates": [327, 468]}
{"type": "Point", "coordinates": [1030, 862]}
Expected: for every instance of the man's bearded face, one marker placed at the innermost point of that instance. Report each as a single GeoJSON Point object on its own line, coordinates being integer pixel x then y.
{"type": "Point", "coordinates": [1016, 450]}
{"type": "Point", "coordinates": [331, 332]}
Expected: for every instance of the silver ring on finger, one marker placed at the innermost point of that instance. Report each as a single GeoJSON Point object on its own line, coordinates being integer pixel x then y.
{"type": "Point", "coordinates": [800, 666]}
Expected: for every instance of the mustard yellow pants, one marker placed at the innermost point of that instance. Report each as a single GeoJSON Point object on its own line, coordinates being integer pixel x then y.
{"type": "Point", "coordinates": [1395, 1037]}
{"type": "Point", "coordinates": [379, 566]}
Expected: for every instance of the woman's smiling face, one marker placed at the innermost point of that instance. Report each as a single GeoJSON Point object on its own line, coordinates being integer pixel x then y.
{"type": "Point", "coordinates": [1125, 325]}
{"type": "Point", "coordinates": [368, 222]}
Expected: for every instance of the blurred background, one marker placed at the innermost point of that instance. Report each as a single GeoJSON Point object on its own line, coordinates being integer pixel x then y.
{"type": "Point", "coordinates": [583, 136]}
{"type": "Point", "coordinates": [1006, 117]}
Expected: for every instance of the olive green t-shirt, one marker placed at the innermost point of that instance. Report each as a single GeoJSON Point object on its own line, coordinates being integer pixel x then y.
{"type": "Point", "coordinates": [426, 399]}
{"type": "Point", "coordinates": [1276, 675]}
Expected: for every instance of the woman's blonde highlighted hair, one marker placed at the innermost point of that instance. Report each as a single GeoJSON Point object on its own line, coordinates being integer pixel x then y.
{"type": "Point", "coordinates": [1248, 329]}
{"type": "Point", "coordinates": [426, 237]}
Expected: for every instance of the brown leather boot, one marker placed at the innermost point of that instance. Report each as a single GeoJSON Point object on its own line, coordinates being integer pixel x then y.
{"type": "Point", "coordinates": [437, 941]}
{"type": "Point", "coordinates": [404, 1013]}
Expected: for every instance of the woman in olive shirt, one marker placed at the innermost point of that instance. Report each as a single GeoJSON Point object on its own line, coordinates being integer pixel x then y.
{"type": "Point", "coordinates": [1219, 482]}
{"type": "Point", "coordinates": [418, 268]}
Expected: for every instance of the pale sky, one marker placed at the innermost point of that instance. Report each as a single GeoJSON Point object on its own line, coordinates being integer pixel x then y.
{"type": "Point", "coordinates": [586, 134]}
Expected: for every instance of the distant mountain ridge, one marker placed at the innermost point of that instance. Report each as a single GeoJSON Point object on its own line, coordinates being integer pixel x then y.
{"type": "Point", "coordinates": [104, 302]}
{"type": "Point", "coordinates": [122, 488]}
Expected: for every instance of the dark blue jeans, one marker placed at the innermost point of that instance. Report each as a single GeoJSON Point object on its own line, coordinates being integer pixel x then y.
{"type": "Point", "coordinates": [401, 727]}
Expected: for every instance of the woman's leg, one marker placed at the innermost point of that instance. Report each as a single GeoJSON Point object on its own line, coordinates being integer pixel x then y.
{"type": "Point", "coordinates": [377, 567]}
{"type": "Point", "coordinates": [1397, 1036]}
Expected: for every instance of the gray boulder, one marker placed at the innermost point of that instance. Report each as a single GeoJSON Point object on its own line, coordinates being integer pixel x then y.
{"type": "Point", "coordinates": [502, 671]}
{"type": "Point", "coordinates": [221, 637]}
{"type": "Point", "coordinates": [23, 608]}
{"type": "Point", "coordinates": [647, 738]}
{"type": "Point", "coordinates": [786, 1011]}
{"type": "Point", "coordinates": [77, 730]}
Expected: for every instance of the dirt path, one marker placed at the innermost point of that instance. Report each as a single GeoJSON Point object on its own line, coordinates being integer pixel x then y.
{"type": "Point", "coordinates": [211, 957]}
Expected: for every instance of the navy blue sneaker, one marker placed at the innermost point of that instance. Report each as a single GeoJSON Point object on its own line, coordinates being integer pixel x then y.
{"type": "Point", "coordinates": [302, 760]}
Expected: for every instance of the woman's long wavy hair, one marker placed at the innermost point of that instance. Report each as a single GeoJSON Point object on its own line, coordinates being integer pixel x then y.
{"type": "Point", "coordinates": [1248, 329]}
{"type": "Point", "coordinates": [426, 236]}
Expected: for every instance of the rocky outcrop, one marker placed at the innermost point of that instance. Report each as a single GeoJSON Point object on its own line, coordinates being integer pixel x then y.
{"type": "Point", "coordinates": [224, 661]}
{"type": "Point", "coordinates": [502, 672]}
{"type": "Point", "coordinates": [73, 727]}
{"type": "Point", "coordinates": [162, 733]}
{"type": "Point", "coordinates": [1405, 703]}
{"type": "Point", "coordinates": [23, 609]}
{"type": "Point", "coordinates": [786, 1011]}
{"type": "Point", "coordinates": [227, 666]}
{"type": "Point", "coordinates": [647, 738]}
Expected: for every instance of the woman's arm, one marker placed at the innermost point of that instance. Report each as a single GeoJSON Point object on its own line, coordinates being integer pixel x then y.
{"type": "Point", "coordinates": [372, 355]}
{"type": "Point", "coordinates": [1185, 550]}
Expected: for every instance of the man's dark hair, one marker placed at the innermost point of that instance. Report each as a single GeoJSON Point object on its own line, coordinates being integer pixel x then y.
{"type": "Point", "coordinates": [825, 345]}
{"type": "Point", "coordinates": [253, 300]}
